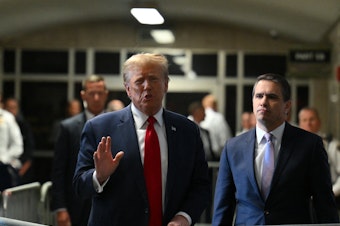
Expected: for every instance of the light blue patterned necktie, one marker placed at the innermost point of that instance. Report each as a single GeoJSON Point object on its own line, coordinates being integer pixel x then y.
{"type": "Point", "coordinates": [267, 166]}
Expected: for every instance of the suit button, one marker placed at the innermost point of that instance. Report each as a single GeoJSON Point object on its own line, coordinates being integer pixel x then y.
{"type": "Point", "coordinates": [266, 212]}
{"type": "Point", "coordinates": [146, 210]}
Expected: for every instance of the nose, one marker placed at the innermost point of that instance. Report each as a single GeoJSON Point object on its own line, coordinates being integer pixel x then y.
{"type": "Point", "coordinates": [263, 100]}
{"type": "Point", "coordinates": [146, 84]}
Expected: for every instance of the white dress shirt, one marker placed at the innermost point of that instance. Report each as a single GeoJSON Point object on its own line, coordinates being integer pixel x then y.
{"type": "Point", "coordinates": [333, 151]}
{"type": "Point", "coordinates": [260, 148]}
{"type": "Point", "coordinates": [218, 128]}
{"type": "Point", "coordinates": [11, 141]}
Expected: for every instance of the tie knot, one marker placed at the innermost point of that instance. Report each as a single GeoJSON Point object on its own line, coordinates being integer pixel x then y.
{"type": "Point", "coordinates": [268, 136]}
{"type": "Point", "coordinates": [151, 120]}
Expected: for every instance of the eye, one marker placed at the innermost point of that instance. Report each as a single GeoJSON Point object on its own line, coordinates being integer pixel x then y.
{"type": "Point", "coordinates": [138, 81]}
{"type": "Point", "coordinates": [154, 78]}
{"type": "Point", "coordinates": [259, 95]}
{"type": "Point", "coordinates": [272, 96]}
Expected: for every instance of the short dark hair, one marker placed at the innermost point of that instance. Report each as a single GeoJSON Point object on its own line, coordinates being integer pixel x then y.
{"type": "Point", "coordinates": [285, 87]}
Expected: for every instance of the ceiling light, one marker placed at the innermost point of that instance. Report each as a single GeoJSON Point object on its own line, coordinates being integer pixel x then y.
{"type": "Point", "coordinates": [147, 16]}
{"type": "Point", "coordinates": [163, 36]}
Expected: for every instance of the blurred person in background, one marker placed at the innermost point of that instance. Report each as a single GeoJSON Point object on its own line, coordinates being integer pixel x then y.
{"type": "Point", "coordinates": [216, 124]}
{"type": "Point", "coordinates": [309, 120]}
{"type": "Point", "coordinates": [248, 121]}
{"type": "Point", "coordinates": [114, 105]}
{"type": "Point", "coordinates": [69, 208]}
{"type": "Point", "coordinates": [11, 148]}
{"type": "Point", "coordinates": [26, 171]}
{"type": "Point", "coordinates": [197, 114]}
{"type": "Point", "coordinates": [72, 108]}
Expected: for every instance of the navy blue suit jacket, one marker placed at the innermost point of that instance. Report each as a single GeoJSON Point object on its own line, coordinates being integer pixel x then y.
{"type": "Point", "coordinates": [302, 171]}
{"type": "Point", "coordinates": [64, 164]}
{"type": "Point", "coordinates": [124, 199]}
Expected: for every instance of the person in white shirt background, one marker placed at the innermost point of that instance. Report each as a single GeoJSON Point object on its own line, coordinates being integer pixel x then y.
{"type": "Point", "coordinates": [11, 148]}
{"type": "Point", "coordinates": [216, 124]}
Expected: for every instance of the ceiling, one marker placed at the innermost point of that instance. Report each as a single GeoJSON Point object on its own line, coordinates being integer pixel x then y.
{"type": "Point", "coordinates": [303, 20]}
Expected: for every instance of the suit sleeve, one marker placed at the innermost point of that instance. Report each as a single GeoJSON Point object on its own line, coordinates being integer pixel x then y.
{"type": "Point", "coordinates": [323, 197]}
{"type": "Point", "coordinates": [60, 161]}
{"type": "Point", "coordinates": [82, 180]}
{"type": "Point", "coordinates": [224, 200]}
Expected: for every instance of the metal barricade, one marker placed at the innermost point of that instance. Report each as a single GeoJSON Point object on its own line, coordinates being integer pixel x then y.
{"type": "Point", "coordinates": [12, 222]}
{"type": "Point", "coordinates": [46, 215]}
{"type": "Point", "coordinates": [21, 202]}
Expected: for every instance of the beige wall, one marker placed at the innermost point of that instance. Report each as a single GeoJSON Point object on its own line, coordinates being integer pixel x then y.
{"type": "Point", "coordinates": [115, 34]}
{"type": "Point", "coordinates": [189, 35]}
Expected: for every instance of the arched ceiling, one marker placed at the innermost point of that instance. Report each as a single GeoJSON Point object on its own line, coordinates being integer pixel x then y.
{"type": "Point", "coordinates": [303, 20]}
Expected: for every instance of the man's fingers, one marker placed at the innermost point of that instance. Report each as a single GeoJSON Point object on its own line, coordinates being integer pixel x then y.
{"type": "Point", "coordinates": [108, 144]}
{"type": "Point", "coordinates": [118, 156]}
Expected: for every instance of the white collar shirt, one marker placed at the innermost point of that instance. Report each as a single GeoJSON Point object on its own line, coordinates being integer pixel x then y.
{"type": "Point", "coordinates": [141, 124]}
{"type": "Point", "coordinates": [260, 146]}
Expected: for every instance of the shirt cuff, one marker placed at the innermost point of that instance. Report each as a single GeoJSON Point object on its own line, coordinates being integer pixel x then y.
{"type": "Point", "coordinates": [186, 216]}
{"type": "Point", "coordinates": [99, 188]}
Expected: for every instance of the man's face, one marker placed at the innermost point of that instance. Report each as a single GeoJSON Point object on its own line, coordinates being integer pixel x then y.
{"type": "Point", "coordinates": [12, 106]}
{"type": "Point", "coordinates": [268, 105]}
{"type": "Point", "coordinates": [146, 88]}
{"type": "Point", "coordinates": [95, 96]}
{"type": "Point", "coordinates": [309, 121]}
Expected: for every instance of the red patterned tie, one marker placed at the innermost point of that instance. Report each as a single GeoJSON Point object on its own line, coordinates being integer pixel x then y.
{"type": "Point", "coordinates": [153, 173]}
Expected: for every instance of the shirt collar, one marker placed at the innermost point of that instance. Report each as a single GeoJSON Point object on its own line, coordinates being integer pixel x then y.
{"type": "Point", "coordinates": [90, 115]}
{"type": "Point", "coordinates": [140, 118]}
{"type": "Point", "coordinates": [277, 133]}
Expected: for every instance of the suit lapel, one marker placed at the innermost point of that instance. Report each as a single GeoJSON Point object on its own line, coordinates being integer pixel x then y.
{"type": "Point", "coordinates": [285, 152]}
{"type": "Point", "coordinates": [248, 151]}
{"type": "Point", "coordinates": [129, 139]}
{"type": "Point", "coordinates": [171, 134]}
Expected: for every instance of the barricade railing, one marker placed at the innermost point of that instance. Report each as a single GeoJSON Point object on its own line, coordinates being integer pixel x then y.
{"type": "Point", "coordinates": [13, 222]}
{"type": "Point", "coordinates": [21, 202]}
{"type": "Point", "coordinates": [46, 215]}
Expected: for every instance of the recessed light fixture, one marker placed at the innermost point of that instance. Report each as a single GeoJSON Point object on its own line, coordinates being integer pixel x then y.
{"type": "Point", "coordinates": [149, 16]}
{"type": "Point", "coordinates": [163, 36]}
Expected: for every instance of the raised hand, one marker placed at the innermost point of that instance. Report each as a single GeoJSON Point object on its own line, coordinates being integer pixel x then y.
{"type": "Point", "coordinates": [104, 162]}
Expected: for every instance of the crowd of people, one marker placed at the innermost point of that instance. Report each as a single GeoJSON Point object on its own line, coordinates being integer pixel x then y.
{"type": "Point", "coordinates": [270, 171]}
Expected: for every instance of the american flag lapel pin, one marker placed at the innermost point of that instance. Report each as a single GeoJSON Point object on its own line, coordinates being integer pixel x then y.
{"type": "Point", "coordinates": [173, 128]}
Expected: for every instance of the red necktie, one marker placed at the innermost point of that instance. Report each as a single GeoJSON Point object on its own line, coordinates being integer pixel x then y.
{"type": "Point", "coordinates": [153, 173]}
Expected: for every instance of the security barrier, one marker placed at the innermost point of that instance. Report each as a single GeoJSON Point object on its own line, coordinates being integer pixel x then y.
{"type": "Point", "coordinates": [21, 202]}
{"type": "Point", "coordinates": [46, 216]}
{"type": "Point", "coordinates": [12, 222]}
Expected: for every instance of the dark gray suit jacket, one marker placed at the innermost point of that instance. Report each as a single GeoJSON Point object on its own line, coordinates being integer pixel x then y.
{"type": "Point", "coordinates": [302, 171]}
{"type": "Point", "coordinates": [124, 199]}
{"type": "Point", "coordinates": [64, 163]}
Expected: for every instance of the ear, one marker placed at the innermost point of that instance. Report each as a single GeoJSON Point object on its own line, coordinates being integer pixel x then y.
{"type": "Point", "coordinates": [166, 86]}
{"type": "Point", "coordinates": [288, 105]}
{"type": "Point", "coordinates": [82, 94]}
{"type": "Point", "coordinates": [127, 89]}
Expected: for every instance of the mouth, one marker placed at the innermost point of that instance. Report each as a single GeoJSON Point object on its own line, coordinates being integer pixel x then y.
{"type": "Point", "coordinates": [147, 97]}
{"type": "Point", "coordinates": [262, 110]}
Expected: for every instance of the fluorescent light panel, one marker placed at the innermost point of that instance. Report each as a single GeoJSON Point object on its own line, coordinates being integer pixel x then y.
{"type": "Point", "coordinates": [147, 16]}
{"type": "Point", "coordinates": [163, 36]}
